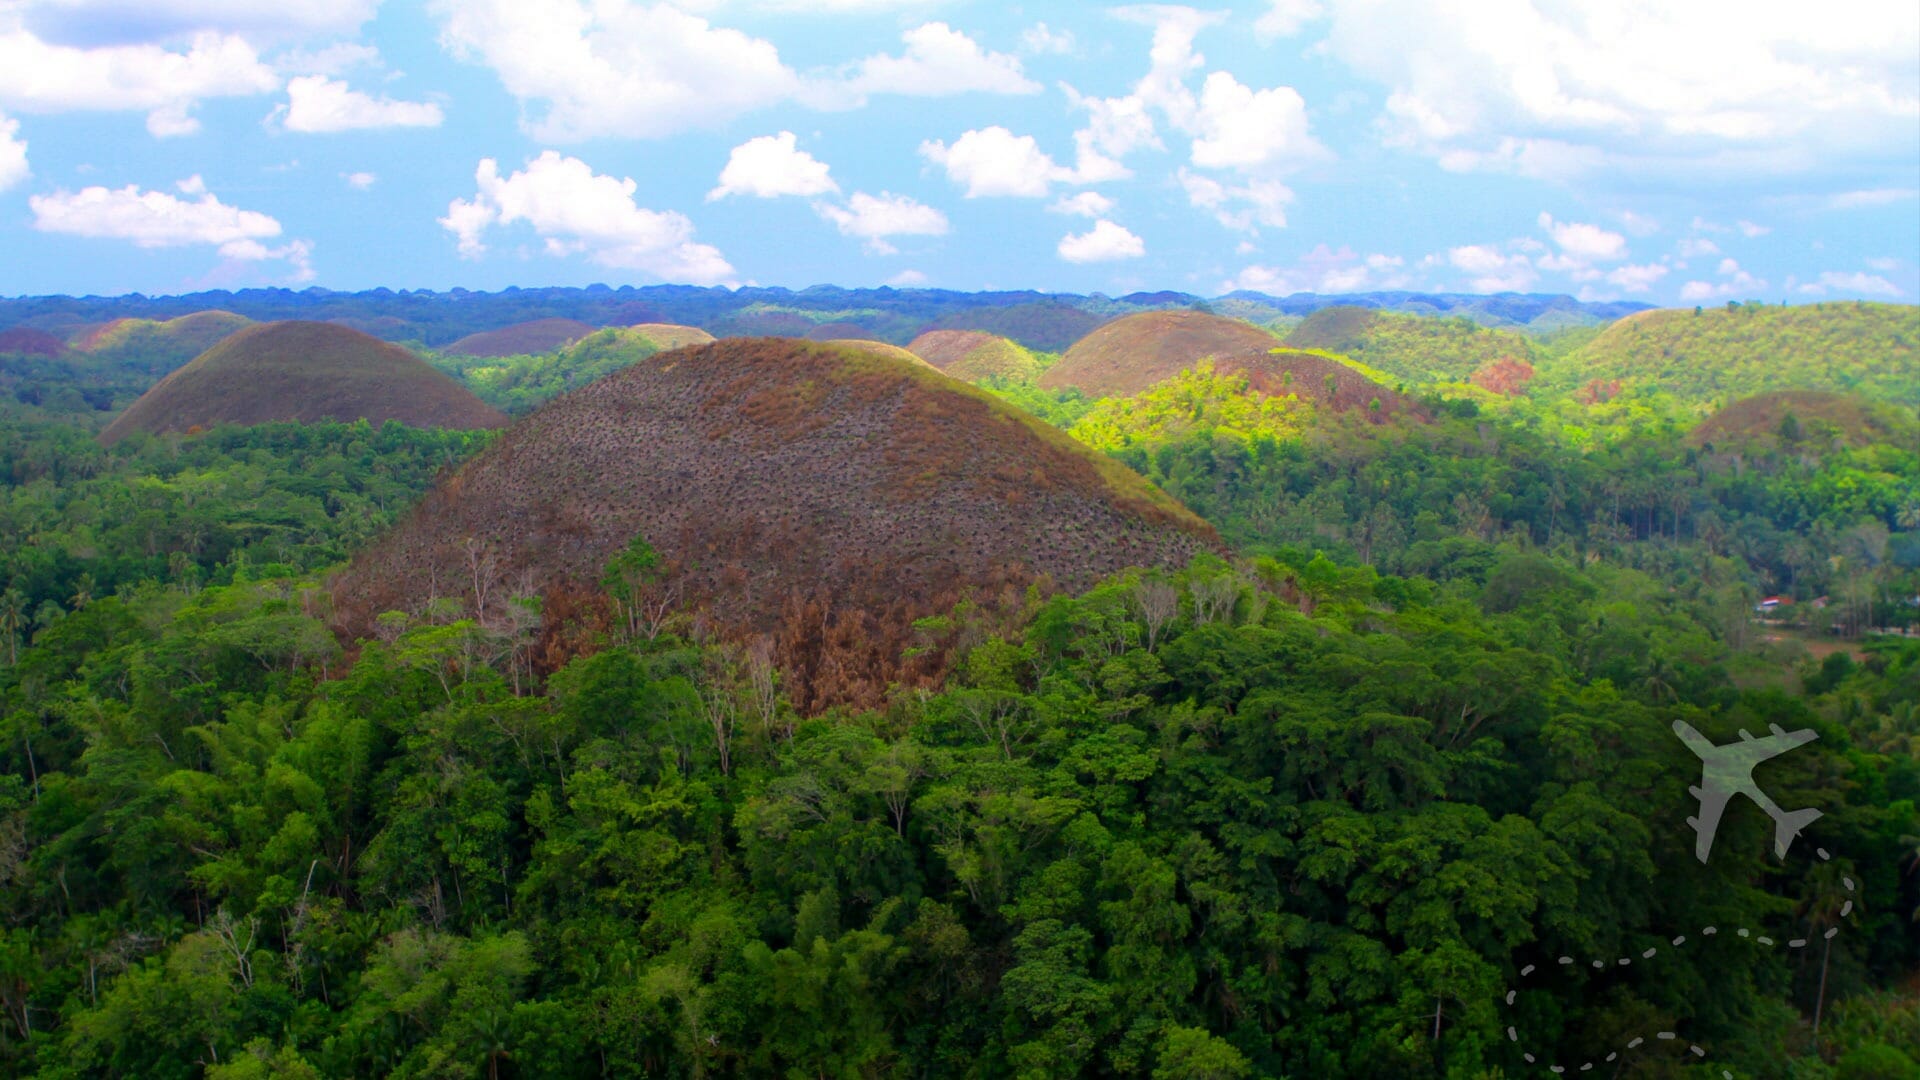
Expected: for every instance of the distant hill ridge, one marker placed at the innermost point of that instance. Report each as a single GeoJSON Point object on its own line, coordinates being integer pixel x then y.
{"type": "Point", "coordinates": [824, 495]}
{"type": "Point", "coordinates": [1409, 347]}
{"type": "Point", "coordinates": [522, 339]}
{"type": "Point", "coordinates": [303, 371]}
{"type": "Point", "coordinates": [972, 355]}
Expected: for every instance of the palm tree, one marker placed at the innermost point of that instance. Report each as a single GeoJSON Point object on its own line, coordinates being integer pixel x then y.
{"type": "Point", "coordinates": [13, 617]}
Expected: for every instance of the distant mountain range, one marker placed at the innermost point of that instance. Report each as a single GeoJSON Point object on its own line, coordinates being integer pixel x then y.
{"type": "Point", "coordinates": [1048, 321]}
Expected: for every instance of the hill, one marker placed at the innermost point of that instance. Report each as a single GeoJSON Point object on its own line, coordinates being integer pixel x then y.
{"type": "Point", "coordinates": [822, 495]}
{"type": "Point", "coordinates": [1133, 352]}
{"type": "Point", "coordinates": [160, 347]}
{"type": "Point", "coordinates": [972, 355]}
{"type": "Point", "coordinates": [669, 335]}
{"type": "Point", "coordinates": [518, 384]}
{"type": "Point", "coordinates": [26, 341]}
{"type": "Point", "coordinates": [1707, 355]}
{"type": "Point", "coordinates": [1411, 348]}
{"type": "Point", "coordinates": [1046, 325]}
{"type": "Point", "coordinates": [877, 348]}
{"type": "Point", "coordinates": [1810, 419]}
{"type": "Point", "coordinates": [303, 371]}
{"type": "Point", "coordinates": [522, 339]}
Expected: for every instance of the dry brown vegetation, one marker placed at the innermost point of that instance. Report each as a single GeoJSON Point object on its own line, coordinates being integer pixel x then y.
{"type": "Point", "coordinates": [973, 355]}
{"type": "Point", "coordinates": [304, 371]}
{"type": "Point", "coordinates": [26, 341]}
{"type": "Point", "coordinates": [1132, 353]}
{"type": "Point", "coordinates": [1043, 324]}
{"type": "Point", "coordinates": [522, 339]}
{"type": "Point", "coordinates": [823, 496]}
{"type": "Point", "coordinates": [1819, 416]}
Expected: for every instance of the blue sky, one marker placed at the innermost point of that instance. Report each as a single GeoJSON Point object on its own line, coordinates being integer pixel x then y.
{"type": "Point", "coordinates": [1632, 149]}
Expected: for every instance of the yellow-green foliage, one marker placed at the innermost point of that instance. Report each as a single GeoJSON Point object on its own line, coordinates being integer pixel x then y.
{"type": "Point", "coordinates": [1197, 398]}
{"type": "Point", "coordinates": [1412, 349]}
{"type": "Point", "coordinates": [1710, 356]}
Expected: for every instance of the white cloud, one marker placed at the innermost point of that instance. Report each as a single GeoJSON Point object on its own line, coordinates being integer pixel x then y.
{"type": "Point", "coordinates": [1854, 200]}
{"type": "Point", "coordinates": [1640, 85]}
{"type": "Point", "coordinates": [1086, 204]}
{"type": "Point", "coordinates": [907, 279]}
{"type": "Point", "coordinates": [578, 211]}
{"type": "Point", "coordinates": [1243, 207]}
{"type": "Point", "coordinates": [1638, 224]}
{"type": "Point", "coordinates": [319, 105]}
{"type": "Point", "coordinates": [1492, 270]}
{"type": "Point", "coordinates": [1582, 242]}
{"type": "Point", "coordinates": [938, 61]}
{"type": "Point", "coordinates": [1041, 38]}
{"type": "Point", "coordinates": [359, 181]}
{"type": "Point", "coordinates": [1885, 266]}
{"type": "Point", "coordinates": [1856, 284]}
{"type": "Point", "coordinates": [873, 218]}
{"type": "Point", "coordinates": [1735, 282]}
{"type": "Point", "coordinates": [1103, 243]}
{"type": "Point", "coordinates": [119, 22]}
{"type": "Point", "coordinates": [1698, 247]}
{"type": "Point", "coordinates": [13, 153]}
{"type": "Point", "coordinates": [995, 161]}
{"type": "Point", "coordinates": [1750, 230]}
{"type": "Point", "coordinates": [615, 67]}
{"type": "Point", "coordinates": [1635, 279]}
{"type": "Point", "coordinates": [336, 59]}
{"type": "Point", "coordinates": [157, 219]}
{"type": "Point", "coordinates": [1115, 128]}
{"type": "Point", "coordinates": [1285, 18]}
{"type": "Point", "coordinates": [1324, 270]}
{"type": "Point", "coordinates": [39, 77]}
{"type": "Point", "coordinates": [770, 166]}
{"type": "Point", "coordinates": [1238, 127]}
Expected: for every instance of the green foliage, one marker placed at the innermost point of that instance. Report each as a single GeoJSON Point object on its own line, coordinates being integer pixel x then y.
{"type": "Point", "coordinates": [1197, 402]}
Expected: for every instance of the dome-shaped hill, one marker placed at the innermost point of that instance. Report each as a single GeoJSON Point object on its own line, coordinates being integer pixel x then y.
{"type": "Point", "coordinates": [1042, 324]}
{"type": "Point", "coordinates": [822, 494]}
{"type": "Point", "coordinates": [160, 347]}
{"type": "Point", "coordinates": [1413, 348]}
{"type": "Point", "coordinates": [878, 348]}
{"type": "Point", "coordinates": [522, 339]}
{"type": "Point", "coordinates": [1129, 354]}
{"type": "Point", "coordinates": [303, 371]}
{"type": "Point", "coordinates": [26, 341]}
{"type": "Point", "coordinates": [1816, 418]}
{"type": "Point", "coordinates": [669, 335]}
{"type": "Point", "coordinates": [973, 355]}
{"type": "Point", "coordinates": [1336, 329]}
{"type": "Point", "coordinates": [1318, 378]}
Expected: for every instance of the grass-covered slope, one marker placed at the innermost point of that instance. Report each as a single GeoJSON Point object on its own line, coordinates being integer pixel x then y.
{"type": "Point", "coordinates": [1129, 354]}
{"type": "Point", "coordinates": [159, 347]}
{"type": "Point", "coordinates": [303, 371]}
{"type": "Point", "coordinates": [1710, 355]}
{"type": "Point", "coordinates": [1410, 348]}
{"type": "Point", "coordinates": [27, 341]}
{"type": "Point", "coordinates": [1807, 420]}
{"type": "Point", "coordinates": [877, 348]}
{"type": "Point", "coordinates": [783, 481]}
{"type": "Point", "coordinates": [519, 384]}
{"type": "Point", "coordinates": [973, 355]}
{"type": "Point", "coordinates": [522, 339]}
{"type": "Point", "coordinates": [1046, 325]}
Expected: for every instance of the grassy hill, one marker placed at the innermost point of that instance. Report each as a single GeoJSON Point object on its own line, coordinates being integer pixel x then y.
{"type": "Point", "coordinates": [877, 348]}
{"type": "Point", "coordinates": [1705, 356]}
{"type": "Point", "coordinates": [1131, 353]}
{"type": "Point", "coordinates": [1045, 325]}
{"type": "Point", "coordinates": [27, 341]}
{"type": "Point", "coordinates": [159, 347]}
{"type": "Point", "coordinates": [971, 355]}
{"type": "Point", "coordinates": [823, 495]}
{"type": "Point", "coordinates": [302, 371]}
{"type": "Point", "coordinates": [518, 384]}
{"type": "Point", "coordinates": [1807, 420]}
{"type": "Point", "coordinates": [522, 339]}
{"type": "Point", "coordinates": [1410, 348]}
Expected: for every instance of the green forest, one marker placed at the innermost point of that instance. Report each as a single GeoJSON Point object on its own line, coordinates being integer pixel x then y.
{"type": "Point", "coordinates": [1334, 804]}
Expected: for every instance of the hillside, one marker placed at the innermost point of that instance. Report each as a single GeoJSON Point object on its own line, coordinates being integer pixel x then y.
{"type": "Point", "coordinates": [669, 335]}
{"type": "Point", "coordinates": [306, 372]}
{"type": "Point", "coordinates": [972, 355]}
{"type": "Point", "coordinates": [519, 384]}
{"type": "Point", "coordinates": [159, 347]}
{"type": "Point", "coordinates": [1411, 348]}
{"type": "Point", "coordinates": [823, 495]}
{"type": "Point", "coordinates": [1808, 420]}
{"type": "Point", "coordinates": [522, 339]}
{"type": "Point", "coordinates": [26, 341]}
{"type": "Point", "coordinates": [1708, 355]}
{"type": "Point", "coordinates": [1131, 353]}
{"type": "Point", "coordinates": [1045, 325]}
{"type": "Point", "coordinates": [877, 348]}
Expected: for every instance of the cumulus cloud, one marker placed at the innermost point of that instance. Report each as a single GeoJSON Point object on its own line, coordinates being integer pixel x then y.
{"type": "Point", "coordinates": [13, 153]}
{"type": "Point", "coordinates": [1086, 204]}
{"type": "Point", "coordinates": [1285, 18]}
{"type": "Point", "coordinates": [938, 61]}
{"type": "Point", "coordinates": [1637, 279]}
{"type": "Point", "coordinates": [1858, 283]}
{"type": "Point", "coordinates": [874, 218]}
{"type": "Point", "coordinates": [319, 105]}
{"type": "Point", "coordinates": [1564, 88]}
{"type": "Point", "coordinates": [1734, 281]}
{"type": "Point", "coordinates": [1698, 247]}
{"type": "Point", "coordinates": [995, 161]}
{"type": "Point", "coordinates": [1104, 242]}
{"type": "Point", "coordinates": [1583, 243]}
{"type": "Point", "coordinates": [1241, 207]}
{"type": "Point", "coordinates": [907, 279]}
{"type": "Point", "coordinates": [1242, 128]}
{"type": "Point", "coordinates": [1491, 270]}
{"type": "Point", "coordinates": [580, 212]}
{"type": "Point", "coordinates": [1041, 38]}
{"type": "Point", "coordinates": [39, 77]}
{"type": "Point", "coordinates": [158, 219]}
{"type": "Point", "coordinates": [1324, 270]}
{"type": "Point", "coordinates": [770, 166]}
{"type": "Point", "coordinates": [614, 67]}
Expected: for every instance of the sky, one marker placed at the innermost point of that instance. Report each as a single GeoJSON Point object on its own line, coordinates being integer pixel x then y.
{"type": "Point", "coordinates": [1672, 153]}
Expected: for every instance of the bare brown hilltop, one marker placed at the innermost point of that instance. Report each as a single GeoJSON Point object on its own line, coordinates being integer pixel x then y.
{"type": "Point", "coordinates": [1129, 354]}
{"type": "Point", "coordinates": [821, 495]}
{"type": "Point", "coordinates": [974, 354]}
{"type": "Point", "coordinates": [303, 371]}
{"type": "Point", "coordinates": [522, 339]}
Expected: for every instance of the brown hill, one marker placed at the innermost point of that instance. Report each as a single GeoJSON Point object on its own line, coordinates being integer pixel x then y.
{"type": "Point", "coordinates": [669, 335]}
{"type": "Point", "coordinates": [1315, 377]}
{"type": "Point", "coordinates": [973, 355]}
{"type": "Point", "coordinates": [522, 339]}
{"type": "Point", "coordinates": [1811, 419]}
{"type": "Point", "coordinates": [878, 348]}
{"type": "Point", "coordinates": [26, 341]}
{"type": "Point", "coordinates": [1132, 353]}
{"type": "Point", "coordinates": [1337, 329]}
{"type": "Point", "coordinates": [1046, 325]}
{"type": "Point", "coordinates": [304, 371]}
{"type": "Point", "coordinates": [822, 495]}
